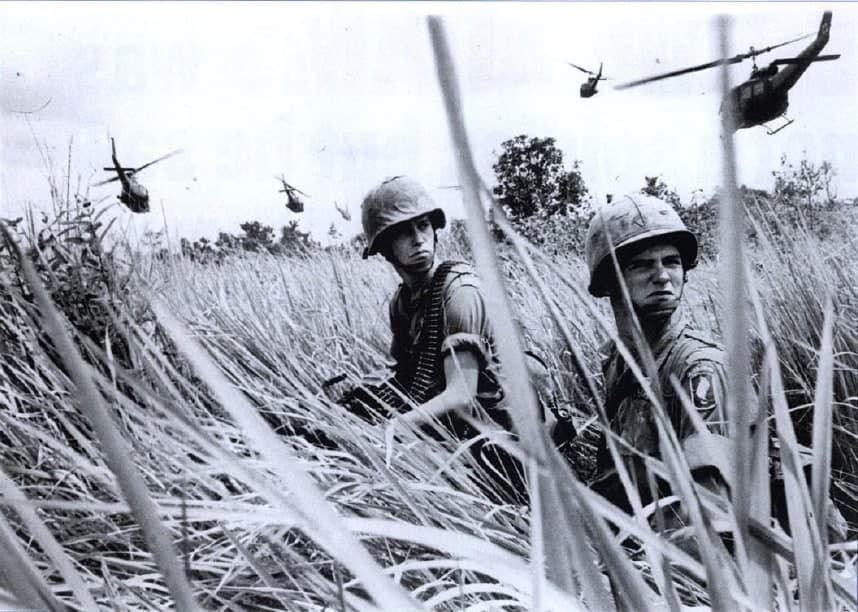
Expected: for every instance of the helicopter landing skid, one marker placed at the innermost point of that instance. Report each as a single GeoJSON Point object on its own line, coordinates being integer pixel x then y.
{"type": "Point", "coordinates": [787, 123]}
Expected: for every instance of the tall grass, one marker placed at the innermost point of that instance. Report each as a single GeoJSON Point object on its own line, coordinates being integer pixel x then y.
{"type": "Point", "coordinates": [217, 393]}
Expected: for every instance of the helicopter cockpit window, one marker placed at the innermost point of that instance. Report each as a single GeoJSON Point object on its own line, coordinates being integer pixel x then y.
{"type": "Point", "coordinates": [746, 93]}
{"type": "Point", "coordinates": [759, 88]}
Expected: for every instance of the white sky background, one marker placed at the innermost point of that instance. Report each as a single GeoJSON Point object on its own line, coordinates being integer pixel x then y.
{"type": "Point", "coordinates": [339, 96]}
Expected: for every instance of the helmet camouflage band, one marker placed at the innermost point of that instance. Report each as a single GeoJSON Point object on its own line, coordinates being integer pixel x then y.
{"type": "Point", "coordinates": [395, 200]}
{"type": "Point", "coordinates": [631, 220]}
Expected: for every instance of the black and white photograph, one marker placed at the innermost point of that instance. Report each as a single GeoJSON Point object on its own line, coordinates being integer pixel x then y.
{"type": "Point", "coordinates": [456, 306]}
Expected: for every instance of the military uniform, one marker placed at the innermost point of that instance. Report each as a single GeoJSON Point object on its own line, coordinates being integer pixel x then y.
{"type": "Point", "coordinates": [697, 362]}
{"type": "Point", "coordinates": [465, 327]}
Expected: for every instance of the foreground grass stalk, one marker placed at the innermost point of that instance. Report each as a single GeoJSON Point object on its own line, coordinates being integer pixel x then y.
{"type": "Point", "coordinates": [822, 420]}
{"type": "Point", "coordinates": [521, 397]}
{"type": "Point", "coordinates": [753, 558]}
{"type": "Point", "coordinates": [732, 230]}
{"type": "Point", "coordinates": [115, 448]}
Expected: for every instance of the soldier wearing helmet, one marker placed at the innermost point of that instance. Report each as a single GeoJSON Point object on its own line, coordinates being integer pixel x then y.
{"type": "Point", "coordinates": [443, 344]}
{"type": "Point", "coordinates": [644, 238]}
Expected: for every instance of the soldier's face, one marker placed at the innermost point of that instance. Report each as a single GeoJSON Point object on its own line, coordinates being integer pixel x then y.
{"type": "Point", "coordinates": [654, 278]}
{"type": "Point", "coordinates": [412, 244]}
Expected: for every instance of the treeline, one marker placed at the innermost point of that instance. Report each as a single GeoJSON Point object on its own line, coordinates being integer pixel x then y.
{"type": "Point", "coordinates": [551, 205]}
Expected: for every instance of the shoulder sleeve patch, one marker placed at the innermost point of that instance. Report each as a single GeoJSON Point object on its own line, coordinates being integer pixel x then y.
{"type": "Point", "coordinates": [704, 384]}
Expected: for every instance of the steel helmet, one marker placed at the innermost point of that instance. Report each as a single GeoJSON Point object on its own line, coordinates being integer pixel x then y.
{"type": "Point", "coordinates": [396, 200]}
{"type": "Point", "coordinates": [630, 220]}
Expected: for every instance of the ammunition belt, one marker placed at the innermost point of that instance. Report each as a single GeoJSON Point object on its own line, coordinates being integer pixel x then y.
{"type": "Point", "coordinates": [420, 380]}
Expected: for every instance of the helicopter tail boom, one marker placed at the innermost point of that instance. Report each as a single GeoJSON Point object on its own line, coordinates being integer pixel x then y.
{"type": "Point", "coordinates": [787, 77]}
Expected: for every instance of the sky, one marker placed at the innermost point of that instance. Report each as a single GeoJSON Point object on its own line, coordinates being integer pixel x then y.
{"type": "Point", "coordinates": [338, 96]}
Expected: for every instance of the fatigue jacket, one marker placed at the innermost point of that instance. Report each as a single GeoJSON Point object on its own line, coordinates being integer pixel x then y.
{"type": "Point", "coordinates": [697, 362]}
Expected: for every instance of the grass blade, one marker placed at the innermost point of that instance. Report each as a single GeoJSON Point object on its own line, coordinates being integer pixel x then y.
{"type": "Point", "coordinates": [518, 388]}
{"type": "Point", "coordinates": [822, 419]}
{"type": "Point", "coordinates": [732, 229]}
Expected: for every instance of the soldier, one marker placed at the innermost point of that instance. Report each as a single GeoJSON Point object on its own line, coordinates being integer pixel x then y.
{"type": "Point", "coordinates": [443, 342]}
{"type": "Point", "coordinates": [654, 250]}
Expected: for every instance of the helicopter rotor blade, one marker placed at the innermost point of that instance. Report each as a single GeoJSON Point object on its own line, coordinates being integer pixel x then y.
{"type": "Point", "coordinates": [155, 161]}
{"type": "Point", "coordinates": [667, 75]}
{"type": "Point", "coordinates": [804, 60]}
{"type": "Point", "coordinates": [287, 188]}
{"type": "Point", "coordinates": [105, 182]}
{"type": "Point", "coordinates": [755, 52]}
{"type": "Point", "coordinates": [739, 57]}
{"type": "Point", "coordinates": [580, 68]}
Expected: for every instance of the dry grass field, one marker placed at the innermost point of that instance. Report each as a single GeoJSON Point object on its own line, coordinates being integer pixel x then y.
{"type": "Point", "coordinates": [150, 419]}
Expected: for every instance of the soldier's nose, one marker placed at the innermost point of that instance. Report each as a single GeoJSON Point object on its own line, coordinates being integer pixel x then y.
{"type": "Point", "coordinates": [416, 235]}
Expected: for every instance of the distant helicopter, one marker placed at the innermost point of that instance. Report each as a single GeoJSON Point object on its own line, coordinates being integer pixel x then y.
{"type": "Point", "coordinates": [763, 97]}
{"type": "Point", "coordinates": [344, 212]}
{"type": "Point", "coordinates": [295, 204]}
{"type": "Point", "coordinates": [134, 195]}
{"type": "Point", "coordinates": [588, 89]}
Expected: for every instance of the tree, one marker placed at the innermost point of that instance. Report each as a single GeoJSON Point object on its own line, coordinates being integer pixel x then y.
{"type": "Point", "coordinates": [805, 193]}
{"type": "Point", "coordinates": [531, 179]}
{"type": "Point", "coordinates": [226, 242]}
{"type": "Point", "coordinates": [293, 240]}
{"type": "Point", "coordinates": [257, 237]}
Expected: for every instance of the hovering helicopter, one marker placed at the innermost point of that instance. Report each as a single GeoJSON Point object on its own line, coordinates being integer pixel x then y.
{"type": "Point", "coordinates": [763, 97]}
{"type": "Point", "coordinates": [344, 212]}
{"type": "Point", "coordinates": [134, 195]}
{"type": "Point", "coordinates": [295, 204]}
{"type": "Point", "coordinates": [588, 89]}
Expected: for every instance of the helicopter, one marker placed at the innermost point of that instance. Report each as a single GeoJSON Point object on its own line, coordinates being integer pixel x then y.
{"type": "Point", "coordinates": [588, 89]}
{"type": "Point", "coordinates": [295, 204]}
{"type": "Point", "coordinates": [134, 195]}
{"type": "Point", "coordinates": [763, 97]}
{"type": "Point", "coordinates": [344, 212]}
